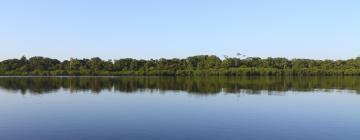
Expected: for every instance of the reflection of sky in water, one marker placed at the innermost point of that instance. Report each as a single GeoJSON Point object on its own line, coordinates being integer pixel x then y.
{"type": "Point", "coordinates": [179, 115]}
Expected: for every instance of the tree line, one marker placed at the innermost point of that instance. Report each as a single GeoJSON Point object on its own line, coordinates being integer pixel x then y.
{"type": "Point", "coordinates": [201, 65]}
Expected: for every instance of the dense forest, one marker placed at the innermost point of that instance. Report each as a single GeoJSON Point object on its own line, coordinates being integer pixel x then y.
{"type": "Point", "coordinates": [201, 65]}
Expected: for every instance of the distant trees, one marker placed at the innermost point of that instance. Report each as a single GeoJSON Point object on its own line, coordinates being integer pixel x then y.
{"type": "Point", "coordinates": [194, 65]}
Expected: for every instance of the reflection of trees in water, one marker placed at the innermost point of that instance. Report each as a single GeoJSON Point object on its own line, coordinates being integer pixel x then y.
{"type": "Point", "coordinates": [196, 85]}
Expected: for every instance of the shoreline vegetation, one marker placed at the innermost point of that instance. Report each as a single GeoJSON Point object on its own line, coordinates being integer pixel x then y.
{"type": "Point", "coordinates": [201, 65]}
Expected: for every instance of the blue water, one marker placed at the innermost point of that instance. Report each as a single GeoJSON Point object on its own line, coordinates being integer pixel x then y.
{"type": "Point", "coordinates": [178, 115]}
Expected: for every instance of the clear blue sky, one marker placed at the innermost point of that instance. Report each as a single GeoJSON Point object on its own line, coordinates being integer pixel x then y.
{"type": "Point", "coordinates": [319, 29]}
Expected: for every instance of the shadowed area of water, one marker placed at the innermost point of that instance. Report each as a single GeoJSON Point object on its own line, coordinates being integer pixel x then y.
{"type": "Point", "coordinates": [194, 85]}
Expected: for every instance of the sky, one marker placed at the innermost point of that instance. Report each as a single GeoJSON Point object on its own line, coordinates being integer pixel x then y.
{"type": "Point", "coordinates": [144, 29]}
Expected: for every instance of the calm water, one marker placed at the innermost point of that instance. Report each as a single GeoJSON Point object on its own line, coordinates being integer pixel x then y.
{"type": "Point", "coordinates": [184, 108]}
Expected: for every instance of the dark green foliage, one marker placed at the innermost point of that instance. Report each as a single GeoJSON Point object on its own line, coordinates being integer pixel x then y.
{"type": "Point", "coordinates": [194, 65]}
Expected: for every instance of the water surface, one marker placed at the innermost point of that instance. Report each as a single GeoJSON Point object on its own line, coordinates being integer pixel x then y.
{"type": "Point", "coordinates": [143, 108]}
